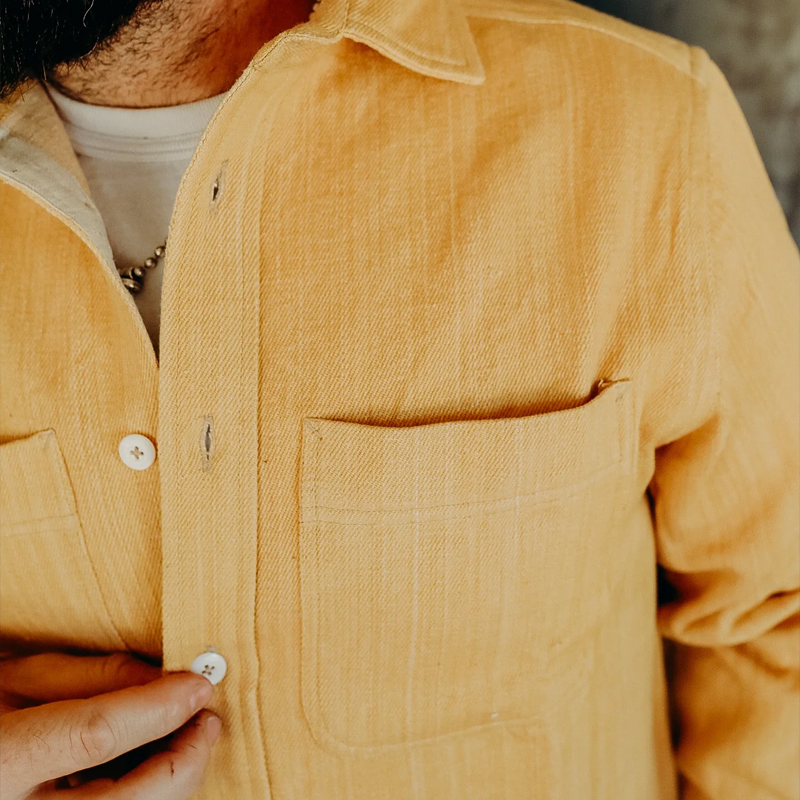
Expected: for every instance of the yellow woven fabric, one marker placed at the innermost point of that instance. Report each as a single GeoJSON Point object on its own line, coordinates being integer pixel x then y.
{"type": "Point", "coordinates": [388, 487]}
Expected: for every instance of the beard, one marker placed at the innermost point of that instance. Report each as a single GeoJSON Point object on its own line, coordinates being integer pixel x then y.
{"type": "Point", "coordinates": [38, 36]}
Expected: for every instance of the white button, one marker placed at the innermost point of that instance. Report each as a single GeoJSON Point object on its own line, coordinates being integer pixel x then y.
{"type": "Point", "coordinates": [137, 451]}
{"type": "Point", "coordinates": [211, 664]}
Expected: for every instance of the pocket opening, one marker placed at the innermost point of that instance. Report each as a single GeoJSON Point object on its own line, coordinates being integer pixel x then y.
{"type": "Point", "coordinates": [405, 587]}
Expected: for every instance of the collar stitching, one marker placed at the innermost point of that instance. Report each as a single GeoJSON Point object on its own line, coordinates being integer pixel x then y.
{"type": "Point", "coordinates": [404, 45]}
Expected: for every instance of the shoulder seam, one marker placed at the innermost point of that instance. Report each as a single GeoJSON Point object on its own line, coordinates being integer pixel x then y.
{"type": "Point", "coordinates": [700, 62]}
{"type": "Point", "coordinates": [508, 15]}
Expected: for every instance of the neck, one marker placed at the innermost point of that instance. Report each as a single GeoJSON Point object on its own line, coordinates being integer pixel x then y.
{"type": "Point", "coordinates": [178, 52]}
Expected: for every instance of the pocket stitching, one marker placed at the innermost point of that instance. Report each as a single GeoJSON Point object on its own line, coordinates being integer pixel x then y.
{"type": "Point", "coordinates": [531, 499]}
{"type": "Point", "coordinates": [312, 704]}
{"type": "Point", "coordinates": [54, 458]}
{"type": "Point", "coordinates": [315, 717]}
{"type": "Point", "coordinates": [81, 538]}
{"type": "Point", "coordinates": [55, 524]}
{"type": "Point", "coordinates": [320, 732]}
{"type": "Point", "coordinates": [622, 445]}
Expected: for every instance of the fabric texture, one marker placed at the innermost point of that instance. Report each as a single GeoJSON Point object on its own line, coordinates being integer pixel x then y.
{"type": "Point", "coordinates": [475, 317]}
{"type": "Point", "coordinates": [133, 160]}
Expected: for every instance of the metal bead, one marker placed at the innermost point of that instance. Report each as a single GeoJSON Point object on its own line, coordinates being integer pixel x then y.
{"type": "Point", "coordinates": [137, 272]}
{"type": "Point", "coordinates": [150, 262]}
{"type": "Point", "coordinates": [160, 252]}
{"type": "Point", "coordinates": [131, 284]}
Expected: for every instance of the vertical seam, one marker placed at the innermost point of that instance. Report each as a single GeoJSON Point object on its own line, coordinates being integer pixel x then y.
{"type": "Point", "coordinates": [703, 186]}
{"type": "Point", "coordinates": [69, 496]}
{"type": "Point", "coordinates": [251, 381]}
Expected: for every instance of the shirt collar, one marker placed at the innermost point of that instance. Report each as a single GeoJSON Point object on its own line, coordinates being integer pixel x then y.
{"type": "Point", "coordinates": [431, 37]}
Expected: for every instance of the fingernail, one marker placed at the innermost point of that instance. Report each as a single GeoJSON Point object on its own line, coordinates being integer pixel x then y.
{"type": "Point", "coordinates": [201, 695]}
{"type": "Point", "coordinates": [213, 727]}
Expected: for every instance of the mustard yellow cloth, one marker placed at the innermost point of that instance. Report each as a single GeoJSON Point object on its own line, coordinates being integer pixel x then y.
{"type": "Point", "coordinates": [389, 488]}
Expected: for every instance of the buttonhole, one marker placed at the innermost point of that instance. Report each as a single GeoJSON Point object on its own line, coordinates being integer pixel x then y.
{"type": "Point", "coordinates": [207, 442]}
{"type": "Point", "coordinates": [218, 185]}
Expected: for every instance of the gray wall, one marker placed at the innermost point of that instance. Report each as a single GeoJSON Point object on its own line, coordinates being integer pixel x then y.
{"type": "Point", "coordinates": [757, 45]}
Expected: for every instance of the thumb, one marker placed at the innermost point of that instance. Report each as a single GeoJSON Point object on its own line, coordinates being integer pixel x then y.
{"type": "Point", "coordinates": [47, 677]}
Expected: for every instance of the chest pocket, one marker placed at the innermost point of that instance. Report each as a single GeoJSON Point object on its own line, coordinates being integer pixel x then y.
{"type": "Point", "coordinates": [49, 592]}
{"type": "Point", "coordinates": [455, 576]}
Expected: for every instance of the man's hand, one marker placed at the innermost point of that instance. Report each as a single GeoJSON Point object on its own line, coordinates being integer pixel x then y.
{"type": "Point", "coordinates": [62, 714]}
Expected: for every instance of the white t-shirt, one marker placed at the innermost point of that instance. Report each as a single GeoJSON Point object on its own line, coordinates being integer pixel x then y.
{"type": "Point", "coordinates": [133, 160]}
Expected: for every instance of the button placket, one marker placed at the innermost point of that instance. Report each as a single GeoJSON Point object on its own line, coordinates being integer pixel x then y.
{"type": "Point", "coordinates": [208, 460]}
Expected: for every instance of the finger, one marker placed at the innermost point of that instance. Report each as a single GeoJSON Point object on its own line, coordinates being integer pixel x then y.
{"type": "Point", "coordinates": [66, 736]}
{"type": "Point", "coordinates": [99, 791]}
{"type": "Point", "coordinates": [118, 766]}
{"type": "Point", "coordinates": [6, 706]}
{"type": "Point", "coordinates": [47, 677]}
{"type": "Point", "coordinates": [172, 774]}
{"type": "Point", "coordinates": [176, 772]}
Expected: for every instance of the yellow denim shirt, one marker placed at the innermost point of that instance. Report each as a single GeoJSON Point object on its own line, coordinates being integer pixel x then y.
{"type": "Point", "coordinates": [476, 316]}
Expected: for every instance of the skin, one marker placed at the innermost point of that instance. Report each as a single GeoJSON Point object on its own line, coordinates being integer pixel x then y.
{"type": "Point", "coordinates": [84, 716]}
{"type": "Point", "coordinates": [179, 51]}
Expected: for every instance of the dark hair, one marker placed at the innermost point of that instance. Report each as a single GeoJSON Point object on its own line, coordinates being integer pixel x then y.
{"type": "Point", "coordinates": [36, 36]}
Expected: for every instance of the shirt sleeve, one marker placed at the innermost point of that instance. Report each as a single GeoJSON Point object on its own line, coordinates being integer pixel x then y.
{"type": "Point", "coordinates": [726, 497]}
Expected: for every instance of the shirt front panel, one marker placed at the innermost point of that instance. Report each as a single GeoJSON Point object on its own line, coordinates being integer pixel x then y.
{"type": "Point", "coordinates": [396, 311]}
{"type": "Point", "coordinates": [381, 318]}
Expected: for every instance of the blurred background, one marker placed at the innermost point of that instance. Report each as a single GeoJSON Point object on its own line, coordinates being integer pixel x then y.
{"type": "Point", "coordinates": [756, 43]}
